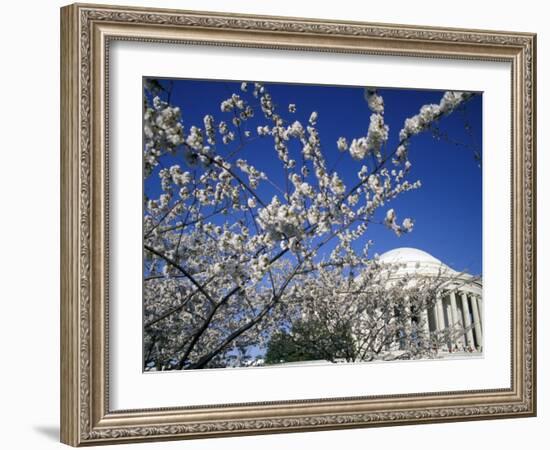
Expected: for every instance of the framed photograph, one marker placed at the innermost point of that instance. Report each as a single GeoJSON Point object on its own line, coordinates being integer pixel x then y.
{"type": "Point", "coordinates": [281, 224]}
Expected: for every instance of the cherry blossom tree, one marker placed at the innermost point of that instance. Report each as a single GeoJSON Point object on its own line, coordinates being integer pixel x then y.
{"type": "Point", "coordinates": [366, 312]}
{"type": "Point", "coordinates": [225, 266]}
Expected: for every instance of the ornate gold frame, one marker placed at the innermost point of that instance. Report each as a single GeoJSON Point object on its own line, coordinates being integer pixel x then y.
{"type": "Point", "coordinates": [86, 31]}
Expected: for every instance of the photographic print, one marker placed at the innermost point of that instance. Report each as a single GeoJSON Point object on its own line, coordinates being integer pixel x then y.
{"type": "Point", "coordinates": [293, 224]}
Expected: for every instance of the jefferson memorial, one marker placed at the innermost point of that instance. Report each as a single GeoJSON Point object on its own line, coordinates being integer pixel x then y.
{"type": "Point", "coordinates": [458, 306]}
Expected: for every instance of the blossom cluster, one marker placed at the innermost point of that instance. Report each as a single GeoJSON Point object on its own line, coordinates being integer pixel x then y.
{"type": "Point", "coordinates": [432, 112]}
{"type": "Point", "coordinates": [378, 131]}
{"type": "Point", "coordinates": [391, 222]}
{"type": "Point", "coordinates": [162, 129]}
{"type": "Point", "coordinates": [374, 101]}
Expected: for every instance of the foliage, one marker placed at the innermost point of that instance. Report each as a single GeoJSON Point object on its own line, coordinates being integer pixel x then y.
{"type": "Point", "coordinates": [309, 341]}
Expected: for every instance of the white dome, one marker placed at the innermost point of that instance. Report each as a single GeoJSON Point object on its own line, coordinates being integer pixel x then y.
{"type": "Point", "coordinates": [412, 261]}
{"type": "Point", "coordinates": [408, 255]}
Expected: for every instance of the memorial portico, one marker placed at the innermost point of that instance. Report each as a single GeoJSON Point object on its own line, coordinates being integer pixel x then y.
{"type": "Point", "coordinates": [457, 313]}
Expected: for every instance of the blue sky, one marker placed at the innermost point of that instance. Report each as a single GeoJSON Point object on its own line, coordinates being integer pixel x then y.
{"type": "Point", "coordinates": [447, 209]}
